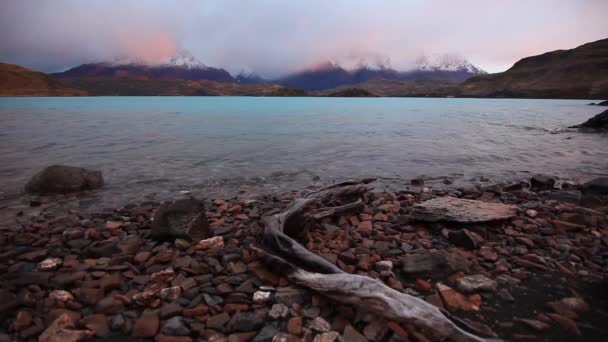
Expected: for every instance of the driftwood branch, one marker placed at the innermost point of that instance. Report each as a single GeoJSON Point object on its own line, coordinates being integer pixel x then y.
{"type": "Point", "coordinates": [312, 271]}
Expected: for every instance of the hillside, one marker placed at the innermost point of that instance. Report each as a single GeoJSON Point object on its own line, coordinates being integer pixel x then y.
{"type": "Point", "coordinates": [397, 88]}
{"type": "Point", "coordinates": [113, 86]}
{"type": "Point", "coordinates": [577, 73]}
{"type": "Point", "coordinates": [19, 81]}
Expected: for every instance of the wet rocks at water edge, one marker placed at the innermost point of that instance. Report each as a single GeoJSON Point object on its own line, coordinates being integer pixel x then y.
{"type": "Point", "coordinates": [61, 179]}
{"type": "Point", "coordinates": [182, 219]}
{"type": "Point", "coordinates": [598, 122]}
{"type": "Point", "coordinates": [516, 263]}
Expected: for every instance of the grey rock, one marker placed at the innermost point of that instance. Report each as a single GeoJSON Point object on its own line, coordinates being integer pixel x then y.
{"type": "Point", "coordinates": [598, 186]}
{"type": "Point", "coordinates": [185, 219]}
{"type": "Point", "coordinates": [117, 322]}
{"type": "Point", "coordinates": [266, 334]}
{"type": "Point", "coordinates": [542, 182]}
{"type": "Point", "coordinates": [474, 283]}
{"type": "Point", "coordinates": [598, 122]}
{"type": "Point", "coordinates": [465, 238]}
{"type": "Point", "coordinates": [175, 326]}
{"type": "Point", "coordinates": [60, 179]}
{"type": "Point", "coordinates": [573, 196]}
{"type": "Point", "coordinates": [439, 261]}
{"type": "Point", "coordinates": [245, 321]}
{"type": "Point", "coordinates": [319, 324]}
{"type": "Point", "coordinates": [278, 311]}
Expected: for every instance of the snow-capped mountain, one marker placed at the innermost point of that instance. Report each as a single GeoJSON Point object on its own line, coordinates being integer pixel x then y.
{"type": "Point", "coordinates": [182, 66]}
{"type": "Point", "coordinates": [186, 60]}
{"type": "Point", "coordinates": [329, 75]}
{"type": "Point", "coordinates": [446, 62]}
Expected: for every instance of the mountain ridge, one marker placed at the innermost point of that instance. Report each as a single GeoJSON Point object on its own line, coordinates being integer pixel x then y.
{"type": "Point", "coordinates": [581, 72]}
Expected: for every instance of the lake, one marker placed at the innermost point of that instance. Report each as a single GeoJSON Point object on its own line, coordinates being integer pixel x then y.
{"type": "Point", "coordinates": [218, 145]}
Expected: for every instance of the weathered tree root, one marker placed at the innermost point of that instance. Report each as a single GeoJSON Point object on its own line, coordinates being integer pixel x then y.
{"type": "Point", "coordinates": [312, 271]}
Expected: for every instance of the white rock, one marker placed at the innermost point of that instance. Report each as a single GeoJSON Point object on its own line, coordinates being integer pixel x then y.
{"type": "Point", "coordinates": [61, 295]}
{"type": "Point", "coordinates": [211, 243]}
{"type": "Point", "coordinates": [50, 264]}
{"type": "Point", "coordinates": [261, 297]}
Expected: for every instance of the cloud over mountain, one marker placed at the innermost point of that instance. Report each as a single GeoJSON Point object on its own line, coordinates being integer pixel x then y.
{"type": "Point", "coordinates": [275, 37]}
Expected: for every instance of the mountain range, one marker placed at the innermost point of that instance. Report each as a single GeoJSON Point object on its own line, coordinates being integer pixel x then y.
{"type": "Point", "coordinates": [581, 72]}
{"type": "Point", "coordinates": [185, 67]}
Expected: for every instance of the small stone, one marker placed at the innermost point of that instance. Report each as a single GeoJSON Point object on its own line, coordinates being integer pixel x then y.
{"type": "Point", "coordinates": [294, 326]}
{"type": "Point", "coordinates": [384, 267]}
{"type": "Point", "coordinates": [237, 267]}
{"type": "Point", "coordinates": [62, 330]}
{"type": "Point", "coordinates": [147, 325]}
{"type": "Point", "coordinates": [456, 301]}
{"type": "Point", "coordinates": [422, 285]}
{"type": "Point", "coordinates": [117, 322]}
{"type": "Point", "coordinates": [330, 336]}
{"type": "Point", "coordinates": [175, 326]}
{"type": "Point", "coordinates": [170, 293]}
{"type": "Point", "coordinates": [245, 321]}
{"type": "Point", "coordinates": [278, 311]}
{"type": "Point", "coordinates": [97, 323]}
{"type": "Point", "coordinates": [465, 238]}
{"type": "Point", "coordinates": [217, 322]}
{"type": "Point", "coordinates": [182, 244]}
{"type": "Point", "coordinates": [352, 335]}
{"type": "Point", "coordinates": [542, 182]}
{"type": "Point", "coordinates": [505, 295]}
{"type": "Point", "coordinates": [109, 306]}
{"type": "Point", "coordinates": [261, 297]}
{"type": "Point", "coordinates": [534, 324]}
{"type": "Point", "coordinates": [163, 276]}
{"type": "Point", "coordinates": [113, 225]}
{"type": "Point", "coordinates": [50, 264]}
{"type": "Point", "coordinates": [375, 330]}
{"type": "Point", "coordinates": [170, 309]}
{"type": "Point", "coordinates": [266, 334]}
{"type": "Point", "coordinates": [474, 283]}
{"type": "Point", "coordinates": [23, 320]}
{"type": "Point", "coordinates": [320, 325]}
{"type": "Point", "coordinates": [532, 213]}
{"type": "Point", "coordinates": [566, 324]}
{"type": "Point", "coordinates": [242, 337]}
{"type": "Point", "coordinates": [61, 296]}
{"type": "Point", "coordinates": [211, 243]}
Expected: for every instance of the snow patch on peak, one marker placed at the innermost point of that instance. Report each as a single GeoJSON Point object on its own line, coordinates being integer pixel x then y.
{"type": "Point", "coordinates": [185, 59]}
{"type": "Point", "coordinates": [446, 62]}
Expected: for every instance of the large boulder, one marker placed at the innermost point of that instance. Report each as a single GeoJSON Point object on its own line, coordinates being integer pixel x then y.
{"type": "Point", "coordinates": [452, 209]}
{"type": "Point", "coordinates": [598, 122]}
{"type": "Point", "coordinates": [598, 186]}
{"type": "Point", "coordinates": [61, 179]}
{"type": "Point", "coordinates": [183, 219]}
{"type": "Point", "coordinates": [595, 192]}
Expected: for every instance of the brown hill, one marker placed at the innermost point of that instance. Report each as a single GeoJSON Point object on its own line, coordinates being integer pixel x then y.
{"type": "Point", "coordinates": [398, 88]}
{"type": "Point", "coordinates": [19, 81]}
{"type": "Point", "coordinates": [113, 86]}
{"type": "Point", "coordinates": [352, 92]}
{"type": "Point", "coordinates": [577, 73]}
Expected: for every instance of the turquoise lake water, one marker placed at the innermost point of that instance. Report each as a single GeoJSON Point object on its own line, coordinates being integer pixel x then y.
{"type": "Point", "coordinates": [220, 144]}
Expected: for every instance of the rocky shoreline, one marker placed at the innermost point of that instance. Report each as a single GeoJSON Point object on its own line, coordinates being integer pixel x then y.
{"type": "Point", "coordinates": [73, 274]}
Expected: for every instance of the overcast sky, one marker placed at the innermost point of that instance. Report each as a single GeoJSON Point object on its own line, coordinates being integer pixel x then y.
{"type": "Point", "coordinates": [276, 37]}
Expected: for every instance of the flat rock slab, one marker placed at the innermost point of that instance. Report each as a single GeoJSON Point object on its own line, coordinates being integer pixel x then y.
{"type": "Point", "coordinates": [454, 209]}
